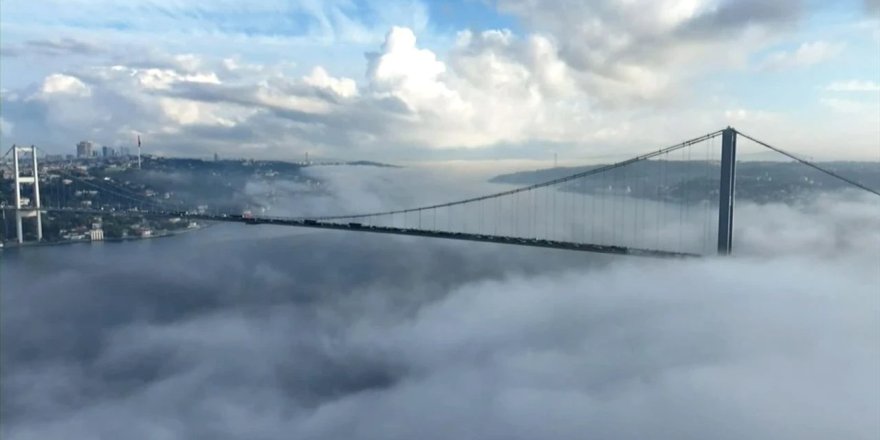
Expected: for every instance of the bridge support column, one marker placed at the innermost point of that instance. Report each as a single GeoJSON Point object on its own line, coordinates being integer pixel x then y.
{"type": "Point", "coordinates": [726, 191]}
{"type": "Point", "coordinates": [33, 208]}
{"type": "Point", "coordinates": [19, 235]}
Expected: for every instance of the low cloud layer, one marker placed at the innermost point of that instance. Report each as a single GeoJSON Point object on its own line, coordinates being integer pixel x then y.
{"type": "Point", "coordinates": [260, 332]}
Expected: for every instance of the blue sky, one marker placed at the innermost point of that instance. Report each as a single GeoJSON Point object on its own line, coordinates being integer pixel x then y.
{"type": "Point", "coordinates": [440, 79]}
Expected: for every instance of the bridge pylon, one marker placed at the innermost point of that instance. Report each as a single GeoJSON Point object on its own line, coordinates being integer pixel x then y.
{"type": "Point", "coordinates": [726, 191]}
{"type": "Point", "coordinates": [32, 208]}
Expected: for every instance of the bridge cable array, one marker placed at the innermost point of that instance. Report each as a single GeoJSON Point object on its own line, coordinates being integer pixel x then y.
{"type": "Point", "coordinates": [810, 164]}
{"type": "Point", "coordinates": [548, 183]}
{"type": "Point", "coordinates": [632, 203]}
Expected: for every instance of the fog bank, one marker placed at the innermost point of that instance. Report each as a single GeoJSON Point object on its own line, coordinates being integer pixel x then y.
{"type": "Point", "coordinates": [241, 332]}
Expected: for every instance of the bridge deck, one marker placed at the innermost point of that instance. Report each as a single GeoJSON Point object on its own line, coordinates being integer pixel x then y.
{"type": "Point", "coordinates": [534, 242]}
{"type": "Point", "coordinates": [315, 224]}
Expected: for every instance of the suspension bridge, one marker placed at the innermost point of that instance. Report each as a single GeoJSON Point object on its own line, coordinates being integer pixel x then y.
{"type": "Point", "coordinates": [676, 201]}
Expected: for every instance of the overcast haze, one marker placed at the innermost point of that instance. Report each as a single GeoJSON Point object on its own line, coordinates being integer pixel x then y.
{"type": "Point", "coordinates": [266, 332]}
{"type": "Point", "coordinates": [402, 80]}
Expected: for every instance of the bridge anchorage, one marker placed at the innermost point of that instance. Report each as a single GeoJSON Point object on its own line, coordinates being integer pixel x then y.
{"type": "Point", "coordinates": [676, 201]}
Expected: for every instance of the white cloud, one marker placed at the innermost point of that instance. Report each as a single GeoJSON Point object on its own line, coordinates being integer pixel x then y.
{"type": "Point", "coordinates": [807, 54]}
{"type": "Point", "coordinates": [749, 116]}
{"type": "Point", "coordinates": [275, 96]}
{"type": "Point", "coordinates": [605, 76]}
{"type": "Point", "coordinates": [413, 75]}
{"type": "Point", "coordinates": [164, 78]}
{"type": "Point", "coordinates": [853, 86]}
{"type": "Point", "coordinates": [493, 88]}
{"type": "Point", "coordinates": [343, 87]}
{"type": "Point", "coordinates": [63, 85]}
{"type": "Point", "coordinates": [850, 106]}
{"type": "Point", "coordinates": [644, 52]}
{"type": "Point", "coordinates": [188, 112]}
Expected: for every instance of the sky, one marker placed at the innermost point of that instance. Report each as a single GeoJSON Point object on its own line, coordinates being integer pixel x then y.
{"type": "Point", "coordinates": [413, 80]}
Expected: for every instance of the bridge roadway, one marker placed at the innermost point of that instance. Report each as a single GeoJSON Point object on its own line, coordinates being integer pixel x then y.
{"type": "Point", "coordinates": [358, 227]}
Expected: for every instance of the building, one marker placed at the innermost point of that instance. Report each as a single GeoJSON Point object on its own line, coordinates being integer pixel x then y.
{"type": "Point", "coordinates": [96, 234]}
{"type": "Point", "coordinates": [84, 149]}
{"type": "Point", "coordinates": [108, 151]}
{"type": "Point", "coordinates": [124, 151]}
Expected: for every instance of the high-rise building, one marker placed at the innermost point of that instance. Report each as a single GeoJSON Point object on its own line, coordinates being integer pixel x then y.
{"type": "Point", "coordinates": [108, 151]}
{"type": "Point", "coordinates": [84, 149]}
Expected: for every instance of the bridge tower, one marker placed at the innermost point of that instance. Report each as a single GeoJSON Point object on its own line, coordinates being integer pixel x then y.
{"type": "Point", "coordinates": [726, 191]}
{"type": "Point", "coordinates": [33, 208]}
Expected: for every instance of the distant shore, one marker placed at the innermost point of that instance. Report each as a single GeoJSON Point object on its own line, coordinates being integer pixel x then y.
{"type": "Point", "coordinates": [15, 245]}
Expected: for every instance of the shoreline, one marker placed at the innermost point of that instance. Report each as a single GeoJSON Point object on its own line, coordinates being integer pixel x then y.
{"type": "Point", "coordinates": [27, 244]}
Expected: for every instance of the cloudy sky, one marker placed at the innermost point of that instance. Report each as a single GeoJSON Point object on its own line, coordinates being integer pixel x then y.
{"type": "Point", "coordinates": [416, 80]}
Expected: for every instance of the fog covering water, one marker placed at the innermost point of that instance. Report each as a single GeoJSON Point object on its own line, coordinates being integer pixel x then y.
{"type": "Point", "coordinates": [257, 332]}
